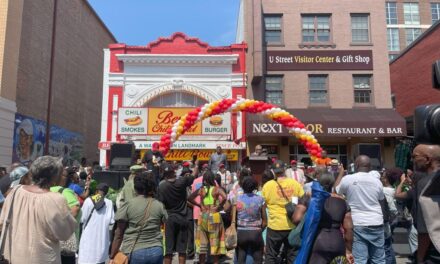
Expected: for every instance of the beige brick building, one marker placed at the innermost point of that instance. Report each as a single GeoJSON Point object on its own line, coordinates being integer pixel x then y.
{"type": "Point", "coordinates": [326, 63]}
{"type": "Point", "coordinates": [26, 29]}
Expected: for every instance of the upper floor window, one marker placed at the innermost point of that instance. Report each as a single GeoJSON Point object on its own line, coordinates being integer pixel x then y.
{"type": "Point", "coordinates": [435, 12]}
{"type": "Point", "coordinates": [393, 39]}
{"type": "Point", "coordinates": [274, 90]}
{"type": "Point", "coordinates": [412, 34]}
{"type": "Point", "coordinates": [318, 89]}
{"type": "Point", "coordinates": [411, 13]}
{"type": "Point", "coordinates": [176, 99]}
{"type": "Point", "coordinates": [362, 88]}
{"type": "Point", "coordinates": [273, 29]}
{"type": "Point", "coordinates": [391, 9]}
{"type": "Point", "coordinates": [360, 28]}
{"type": "Point", "coordinates": [316, 28]}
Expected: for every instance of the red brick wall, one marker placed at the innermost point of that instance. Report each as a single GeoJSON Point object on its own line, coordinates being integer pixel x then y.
{"type": "Point", "coordinates": [411, 79]}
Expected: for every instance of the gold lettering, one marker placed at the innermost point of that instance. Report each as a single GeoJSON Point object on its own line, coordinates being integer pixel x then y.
{"type": "Point", "coordinates": [318, 128]}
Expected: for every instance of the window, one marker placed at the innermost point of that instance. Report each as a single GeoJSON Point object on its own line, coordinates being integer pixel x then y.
{"type": "Point", "coordinates": [362, 89]}
{"type": "Point", "coordinates": [318, 89]}
{"type": "Point", "coordinates": [412, 34]}
{"type": "Point", "coordinates": [272, 29]}
{"type": "Point", "coordinates": [435, 12]}
{"type": "Point", "coordinates": [316, 28]}
{"type": "Point", "coordinates": [359, 28]}
{"type": "Point", "coordinates": [274, 90]}
{"type": "Point", "coordinates": [176, 99]}
{"type": "Point", "coordinates": [392, 56]}
{"type": "Point", "coordinates": [393, 39]}
{"type": "Point", "coordinates": [411, 13]}
{"type": "Point", "coordinates": [391, 9]}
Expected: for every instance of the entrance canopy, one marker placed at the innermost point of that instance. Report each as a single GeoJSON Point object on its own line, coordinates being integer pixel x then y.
{"type": "Point", "coordinates": [334, 123]}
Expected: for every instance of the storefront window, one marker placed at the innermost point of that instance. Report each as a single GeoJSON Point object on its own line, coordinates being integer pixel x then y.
{"type": "Point", "coordinates": [299, 153]}
{"type": "Point", "coordinates": [177, 99]}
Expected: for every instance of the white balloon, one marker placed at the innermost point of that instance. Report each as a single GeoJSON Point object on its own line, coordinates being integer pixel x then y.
{"type": "Point", "coordinates": [297, 130]}
{"type": "Point", "coordinates": [309, 133]}
{"type": "Point", "coordinates": [173, 135]}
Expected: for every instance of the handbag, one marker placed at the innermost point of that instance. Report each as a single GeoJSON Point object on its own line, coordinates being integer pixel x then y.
{"type": "Point", "coordinates": [5, 228]}
{"type": "Point", "coordinates": [231, 232]}
{"type": "Point", "coordinates": [70, 246]}
{"type": "Point", "coordinates": [290, 207]}
{"type": "Point", "coordinates": [120, 257]}
{"type": "Point", "coordinates": [294, 237]}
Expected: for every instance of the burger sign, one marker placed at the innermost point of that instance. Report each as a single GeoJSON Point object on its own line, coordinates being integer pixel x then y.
{"type": "Point", "coordinates": [217, 125]}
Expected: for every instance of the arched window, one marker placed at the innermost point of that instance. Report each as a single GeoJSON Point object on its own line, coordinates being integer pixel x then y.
{"type": "Point", "coordinates": [176, 99]}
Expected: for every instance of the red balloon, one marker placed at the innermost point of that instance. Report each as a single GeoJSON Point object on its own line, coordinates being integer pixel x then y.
{"type": "Point", "coordinates": [314, 152]}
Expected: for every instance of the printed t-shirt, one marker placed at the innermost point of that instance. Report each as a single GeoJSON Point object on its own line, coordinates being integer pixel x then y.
{"type": "Point", "coordinates": [276, 203]}
{"type": "Point", "coordinates": [363, 191]}
{"type": "Point", "coordinates": [72, 200]}
{"type": "Point", "coordinates": [249, 211]}
{"type": "Point", "coordinates": [133, 212]}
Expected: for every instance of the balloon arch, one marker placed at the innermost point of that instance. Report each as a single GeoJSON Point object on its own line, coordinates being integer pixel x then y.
{"type": "Point", "coordinates": [295, 126]}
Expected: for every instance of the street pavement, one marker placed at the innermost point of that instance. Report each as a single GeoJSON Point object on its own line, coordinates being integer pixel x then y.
{"type": "Point", "coordinates": [400, 245]}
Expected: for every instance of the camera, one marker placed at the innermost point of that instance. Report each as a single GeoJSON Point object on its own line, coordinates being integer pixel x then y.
{"type": "Point", "coordinates": [427, 124]}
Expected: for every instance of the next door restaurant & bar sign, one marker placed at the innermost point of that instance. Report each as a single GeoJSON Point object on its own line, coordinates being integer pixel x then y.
{"type": "Point", "coordinates": [298, 60]}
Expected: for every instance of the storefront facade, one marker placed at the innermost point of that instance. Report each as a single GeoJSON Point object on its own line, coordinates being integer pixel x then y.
{"type": "Point", "coordinates": [327, 64]}
{"type": "Point", "coordinates": [147, 89]}
{"type": "Point", "coordinates": [344, 134]}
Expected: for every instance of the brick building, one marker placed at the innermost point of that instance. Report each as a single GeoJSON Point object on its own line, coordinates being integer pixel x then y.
{"type": "Point", "coordinates": [411, 74]}
{"type": "Point", "coordinates": [407, 20]}
{"type": "Point", "coordinates": [327, 64]}
{"type": "Point", "coordinates": [26, 31]}
{"type": "Point", "coordinates": [158, 83]}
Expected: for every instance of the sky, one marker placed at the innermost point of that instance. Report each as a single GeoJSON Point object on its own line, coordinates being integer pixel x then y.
{"type": "Point", "coordinates": [138, 22]}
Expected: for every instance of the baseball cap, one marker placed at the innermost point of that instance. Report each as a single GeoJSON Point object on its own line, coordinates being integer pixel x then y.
{"type": "Point", "coordinates": [186, 164]}
{"type": "Point", "coordinates": [17, 174]}
{"type": "Point", "coordinates": [103, 187]}
{"type": "Point", "coordinates": [167, 167]}
{"type": "Point", "coordinates": [221, 165]}
{"type": "Point", "coordinates": [135, 168]}
{"type": "Point", "coordinates": [334, 162]}
{"type": "Point", "coordinates": [293, 162]}
{"type": "Point", "coordinates": [205, 166]}
{"type": "Point", "coordinates": [278, 166]}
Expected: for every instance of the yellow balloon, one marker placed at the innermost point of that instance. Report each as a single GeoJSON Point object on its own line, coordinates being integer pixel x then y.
{"type": "Point", "coordinates": [179, 129]}
{"type": "Point", "coordinates": [242, 106]}
{"type": "Point", "coordinates": [208, 112]}
{"type": "Point", "coordinates": [314, 141]}
{"type": "Point", "coordinates": [303, 137]}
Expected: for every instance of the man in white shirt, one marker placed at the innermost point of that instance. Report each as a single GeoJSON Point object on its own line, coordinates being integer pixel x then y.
{"type": "Point", "coordinates": [295, 173]}
{"type": "Point", "coordinates": [364, 193]}
{"type": "Point", "coordinates": [97, 216]}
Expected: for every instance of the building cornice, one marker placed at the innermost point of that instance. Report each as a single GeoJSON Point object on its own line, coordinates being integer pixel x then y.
{"type": "Point", "coordinates": [154, 59]}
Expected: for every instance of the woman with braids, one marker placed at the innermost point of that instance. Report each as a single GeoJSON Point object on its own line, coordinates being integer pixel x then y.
{"type": "Point", "coordinates": [210, 231]}
{"type": "Point", "coordinates": [38, 218]}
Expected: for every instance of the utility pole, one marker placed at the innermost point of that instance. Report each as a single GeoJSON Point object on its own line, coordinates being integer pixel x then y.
{"type": "Point", "coordinates": [52, 60]}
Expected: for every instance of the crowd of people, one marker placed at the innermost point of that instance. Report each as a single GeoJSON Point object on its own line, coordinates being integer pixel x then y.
{"type": "Point", "coordinates": [288, 214]}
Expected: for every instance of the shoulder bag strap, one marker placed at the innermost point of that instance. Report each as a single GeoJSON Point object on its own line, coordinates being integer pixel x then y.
{"type": "Point", "coordinates": [144, 220]}
{"type": "Point", "coordinates": [88, 218]}
{"type": "Point", "coordinates": [6, 223]}
{"type": "Point", "coordinates": [282, 191]}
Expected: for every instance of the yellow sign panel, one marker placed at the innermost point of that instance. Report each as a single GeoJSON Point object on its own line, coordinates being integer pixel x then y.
{"type": "Point", "coordinates": [162, 119]}
{"type": "Point", "coordinates": [203, 155]}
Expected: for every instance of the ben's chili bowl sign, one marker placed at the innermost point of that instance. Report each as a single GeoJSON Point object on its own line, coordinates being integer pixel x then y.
{"type": "Point", "coordinates": [162, 119]}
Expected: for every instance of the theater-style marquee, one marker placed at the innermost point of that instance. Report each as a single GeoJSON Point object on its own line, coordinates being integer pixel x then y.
{"type": "Point", "coordinates": [295, 126]}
